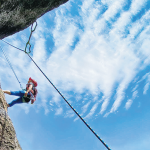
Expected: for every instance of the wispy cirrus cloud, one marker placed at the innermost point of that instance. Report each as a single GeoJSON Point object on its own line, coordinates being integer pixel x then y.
{"type": "Point", "coordinates": [92, 111]}
{"type": "Point", "coordinates": [130, 101]}
{"type": "Point", "coordinates": [100, 52]}
{"type": "Point", "coordinates": [85, 107]}
{"type": "Point", "coordinates": [128, 104]}
{"type": "Point", "coordinates": [102, 55]}
{"type": "Point", "coordinates": [146, 87]}
{"type": "Point", "coordinates": [59, 111]}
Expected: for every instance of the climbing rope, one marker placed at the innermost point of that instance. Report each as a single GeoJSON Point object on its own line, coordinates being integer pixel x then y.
{"type": "Point", "coordinates": [12, 45]}
{"type": "Point", "coordinates": [11, 67]}
{"type": "Point", "coordinates": [65, 99]}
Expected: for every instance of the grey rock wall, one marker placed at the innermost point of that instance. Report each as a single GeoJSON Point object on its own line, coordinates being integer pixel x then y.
{"type": "Point", "coordinates": [8, 139]}
{"type": "Point", "coordinates": [16, 15]}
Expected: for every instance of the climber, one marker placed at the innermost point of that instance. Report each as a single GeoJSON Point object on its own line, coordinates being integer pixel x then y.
{"type": "Point", "coordinates": [26, 95]}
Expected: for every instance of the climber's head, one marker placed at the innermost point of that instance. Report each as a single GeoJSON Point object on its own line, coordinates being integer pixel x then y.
{"type": "Point", "coordinates": [33, 81]}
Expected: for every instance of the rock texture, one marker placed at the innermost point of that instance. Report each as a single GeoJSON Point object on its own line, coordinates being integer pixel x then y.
{"type": "Point", "coordinates": [16, 15]}
{"type": "Point", "coordinates": [8, 139]}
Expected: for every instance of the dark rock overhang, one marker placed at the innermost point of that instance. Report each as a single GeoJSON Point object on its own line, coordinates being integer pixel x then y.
{"type": "Point", "coordinates": [16, 15]}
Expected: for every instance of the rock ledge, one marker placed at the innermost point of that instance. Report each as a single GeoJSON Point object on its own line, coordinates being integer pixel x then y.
{"type": "Point", "coordinates": [16, 15]}
{"type": "Point", "coordinates": [8, 139]}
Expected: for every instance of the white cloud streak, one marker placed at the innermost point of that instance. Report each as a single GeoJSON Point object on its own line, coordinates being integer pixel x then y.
{"type": "Point", "coordinates": [130, 101]}
{"type": "Point", "coordinates": [128, 104]}
{"type": "Point", "coordinates": [59, 111]}
{"type": "Point", "coordinates": [85, 107]}
{"type": "Point", "coordinates": [92, 111]}
{"type": "Point", "coordinates": [146, 87]}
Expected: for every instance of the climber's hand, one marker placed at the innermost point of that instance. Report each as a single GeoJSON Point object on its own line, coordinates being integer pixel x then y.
{"type": "Point", "coordinates": [26, 93]}
{"type": "Point", "coordinates": [32, 101]}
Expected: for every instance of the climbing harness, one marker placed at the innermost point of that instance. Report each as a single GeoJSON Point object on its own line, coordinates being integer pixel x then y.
{"type": "Point", "coordinates": [11, 67]}
{"type": "Point", "coordinates": [64, 98]}
{"type": "Point", "coordinates": [28, 43]}
{"type": "Point", "coordinates": [26, 99]}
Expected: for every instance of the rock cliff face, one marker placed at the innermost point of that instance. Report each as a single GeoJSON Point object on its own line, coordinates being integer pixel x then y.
{"type": "Point", "coordinates": [8, 139]}
{"type": "Point", "coordinates": [16, 15]}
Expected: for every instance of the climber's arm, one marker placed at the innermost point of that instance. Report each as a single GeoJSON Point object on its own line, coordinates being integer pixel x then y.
{"type": "Point", "coordinates": [29, 89]}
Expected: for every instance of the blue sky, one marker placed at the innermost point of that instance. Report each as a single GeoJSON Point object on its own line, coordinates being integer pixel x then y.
{"type": "Point", "coordinates": [97, 54]}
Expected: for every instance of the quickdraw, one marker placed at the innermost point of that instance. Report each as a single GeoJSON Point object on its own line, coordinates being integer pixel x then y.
{"type": "Point", "coordinates": [28, 43]}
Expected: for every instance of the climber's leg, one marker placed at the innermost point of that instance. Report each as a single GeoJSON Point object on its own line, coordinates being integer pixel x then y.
{"type": "Point", "coordinates": [16, 101]}
{"type": "Point", "coordinates": [7, 92]}
{"type": "Point", "coordinates": [18, 93]}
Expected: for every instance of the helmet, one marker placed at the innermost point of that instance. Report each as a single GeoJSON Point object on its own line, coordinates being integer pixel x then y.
{"type": "Point", "coordinates": [33, 81]}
